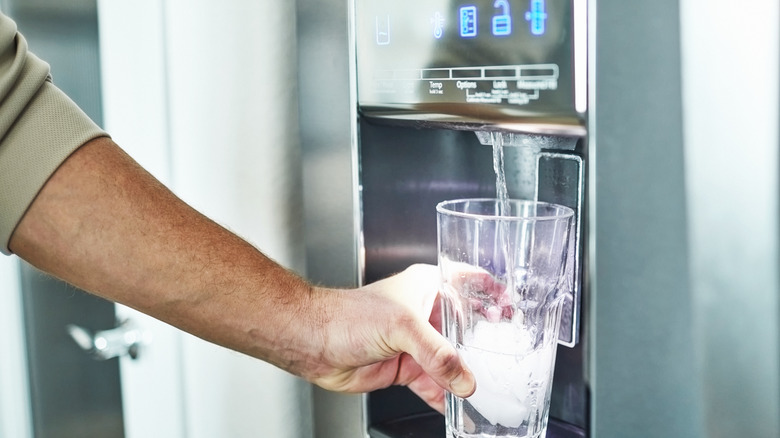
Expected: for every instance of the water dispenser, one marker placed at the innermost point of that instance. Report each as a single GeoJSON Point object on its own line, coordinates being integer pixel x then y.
{"type": "Point", "coordinates": [439, 86]}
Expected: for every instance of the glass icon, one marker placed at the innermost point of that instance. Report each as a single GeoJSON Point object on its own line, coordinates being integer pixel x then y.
{"type": "Point", "coordinates": [383, 30]}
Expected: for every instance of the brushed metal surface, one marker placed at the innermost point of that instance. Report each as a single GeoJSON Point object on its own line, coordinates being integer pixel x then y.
{"type": "Point", "coordinates": [329, 213]}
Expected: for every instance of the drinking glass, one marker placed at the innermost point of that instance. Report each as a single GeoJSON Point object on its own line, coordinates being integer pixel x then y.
{"type": "Point", "coordinates": [502, 279]}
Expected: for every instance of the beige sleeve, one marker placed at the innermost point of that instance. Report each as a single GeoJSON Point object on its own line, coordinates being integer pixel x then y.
{"type": "Point", "coordinates": [39, 128]}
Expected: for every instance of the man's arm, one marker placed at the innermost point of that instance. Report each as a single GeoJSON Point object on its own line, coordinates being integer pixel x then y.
{"type": "Point", "coordinates": [105, 225]}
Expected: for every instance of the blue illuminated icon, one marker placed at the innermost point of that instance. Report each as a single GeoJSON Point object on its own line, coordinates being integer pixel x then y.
{"type": "Point", "coordinates": [438, 25]}
{"type": "Point", "coordinates": [468, 21]}
{"type": "Point", "coordinates": [502, 24]}
{"type": "Point", "coordinates": [537, 16]}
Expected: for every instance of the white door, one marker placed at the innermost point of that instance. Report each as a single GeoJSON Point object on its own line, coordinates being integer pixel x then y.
{"type": "Point", "coordinates": [15, 415]}
{"type": "Point", "coordinates": [133, 60]}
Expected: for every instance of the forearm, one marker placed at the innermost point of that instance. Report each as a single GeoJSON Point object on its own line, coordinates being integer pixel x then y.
{"type": "Point", "coordinates": [105, 225]}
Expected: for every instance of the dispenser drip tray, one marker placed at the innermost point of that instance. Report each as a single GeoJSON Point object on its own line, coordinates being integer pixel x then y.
{"type": "Point", "coordinates": [431, 425]}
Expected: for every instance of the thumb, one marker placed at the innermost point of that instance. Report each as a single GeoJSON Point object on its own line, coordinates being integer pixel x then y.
{"type": "Point", "coordinates": [439, 359]}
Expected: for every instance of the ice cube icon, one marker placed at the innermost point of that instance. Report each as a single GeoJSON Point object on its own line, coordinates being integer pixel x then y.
{"type": "Point", "coordinates": [468, 21]}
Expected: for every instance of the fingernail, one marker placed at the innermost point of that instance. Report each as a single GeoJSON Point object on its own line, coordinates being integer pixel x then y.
{"type": "Point", "coordinates": [463, 385]}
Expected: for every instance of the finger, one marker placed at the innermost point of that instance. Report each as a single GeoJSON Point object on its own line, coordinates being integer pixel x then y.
{"type": "Point", "coordinates": [420, 286]}
{"type": "Point", "coordinates": [438, 359]}
{"type": "Point", "coordinates": [436, 314]}
{"type": "Point", "coordinates": [412, 376]}
{"type": "Point", "coordinates": [429, 392]}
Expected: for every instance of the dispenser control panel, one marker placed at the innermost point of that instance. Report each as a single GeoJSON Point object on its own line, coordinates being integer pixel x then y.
{"type": "Point", "coordinates": [444, 57]}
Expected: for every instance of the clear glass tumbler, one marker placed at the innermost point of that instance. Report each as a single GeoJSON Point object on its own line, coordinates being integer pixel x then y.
{"type": "Point", "coordinates": [502, 268]}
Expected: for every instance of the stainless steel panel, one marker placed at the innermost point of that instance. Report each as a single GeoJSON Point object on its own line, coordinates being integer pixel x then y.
{"type": "Point", "coordinates": [643, 360]}
{"type": "Point", "coordinates": [326, 139]}
{"type": "Point", "coordinates": [326, 142]}
{"type": "Point", "coordinates": [732, 152]}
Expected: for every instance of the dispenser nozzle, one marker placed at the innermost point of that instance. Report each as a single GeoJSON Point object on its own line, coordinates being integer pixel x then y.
{"type": "Point", "coordinates": [534, 141]}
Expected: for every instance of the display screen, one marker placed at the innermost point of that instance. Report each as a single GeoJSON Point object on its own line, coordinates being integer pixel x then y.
{"type": "Point", "coordinates": [516, 56]}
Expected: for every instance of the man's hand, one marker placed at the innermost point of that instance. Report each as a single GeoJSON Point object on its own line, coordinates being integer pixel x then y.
{"type": "Point", "coordinates": [386, 334]}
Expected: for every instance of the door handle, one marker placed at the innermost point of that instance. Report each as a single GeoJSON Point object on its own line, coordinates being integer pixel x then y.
{"type": "Point", "coordinates": [124, 340]}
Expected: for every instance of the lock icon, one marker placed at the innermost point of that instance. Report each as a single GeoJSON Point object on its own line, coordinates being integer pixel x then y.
{"type": "Point", "coordinates": [502, 24]}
